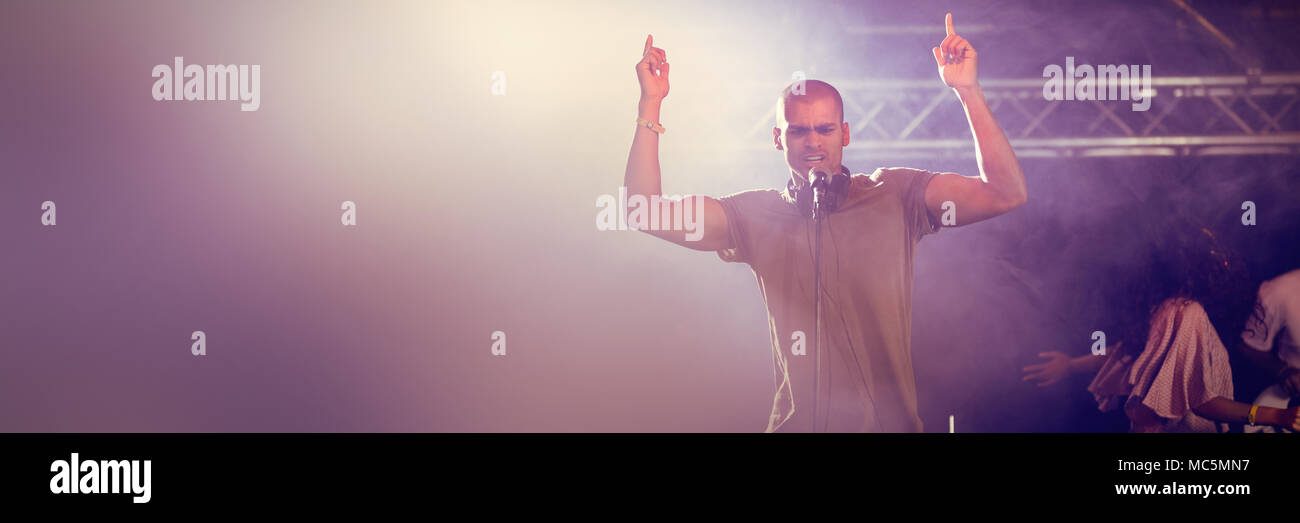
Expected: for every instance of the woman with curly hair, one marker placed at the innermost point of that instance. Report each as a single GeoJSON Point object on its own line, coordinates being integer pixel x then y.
{"type": "Point", "coordinates": [1169, 370]}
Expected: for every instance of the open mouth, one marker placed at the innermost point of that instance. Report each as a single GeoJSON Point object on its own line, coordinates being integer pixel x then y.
{"type": "Point", "coordinates": [814, 159]}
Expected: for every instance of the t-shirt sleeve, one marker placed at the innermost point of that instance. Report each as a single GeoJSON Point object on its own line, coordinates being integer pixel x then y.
{"type": "Point", "coordinates": [1265, 321]}
{"type": "Point", "coordinates": [910, 185]}
{"type": "Point", "coordinates": [739, 211]}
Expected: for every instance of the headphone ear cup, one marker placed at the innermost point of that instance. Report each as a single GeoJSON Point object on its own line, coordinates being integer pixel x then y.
{"type": "Point", "coordinates": [803, 200]}
{"type": "Point", "coordinates": [840, 188]}
{"type": "Point", "coordinates": [803, 196]}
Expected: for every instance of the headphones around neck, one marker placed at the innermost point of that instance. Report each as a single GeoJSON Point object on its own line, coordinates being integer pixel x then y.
{"type": "Point", "coordinates": [803, 193]}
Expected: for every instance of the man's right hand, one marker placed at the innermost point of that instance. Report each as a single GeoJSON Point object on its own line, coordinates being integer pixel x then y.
{"type": "Point", "coordinates": [642, 176]}
{"type": "Point", "coordinates": [652, 71]}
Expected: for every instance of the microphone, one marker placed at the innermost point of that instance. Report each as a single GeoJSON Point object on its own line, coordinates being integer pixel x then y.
{"type": "Point", "coordinates": [826, 191]}
{"type": "Point", "coordinates": [819, 179]}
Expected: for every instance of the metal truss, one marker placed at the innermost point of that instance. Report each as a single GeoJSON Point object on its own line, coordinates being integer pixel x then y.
{"type": "Point", "coordinates": [1188, 116]}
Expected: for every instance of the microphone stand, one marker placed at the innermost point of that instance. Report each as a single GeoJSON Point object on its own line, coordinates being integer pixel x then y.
{"type": "Point", "coordinates": [817, 312]}
{"type": "Point", "coordinates": [819, 183]}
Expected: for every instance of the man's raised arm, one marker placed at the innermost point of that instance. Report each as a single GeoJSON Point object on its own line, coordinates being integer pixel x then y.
{"type": "Point", "coordinates": [642, 176]}
{"type": "Point", "coordinates": [1000, 186]}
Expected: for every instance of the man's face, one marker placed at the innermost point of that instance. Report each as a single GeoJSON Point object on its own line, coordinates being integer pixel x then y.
{"type": "Point", "coordinates": [812, 134]}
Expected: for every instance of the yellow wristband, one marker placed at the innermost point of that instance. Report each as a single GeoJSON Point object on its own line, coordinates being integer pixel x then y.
{"type": "Point", "coordinates": [650, 125]}
{"type": "Point", "coordinates": [1253, 410]}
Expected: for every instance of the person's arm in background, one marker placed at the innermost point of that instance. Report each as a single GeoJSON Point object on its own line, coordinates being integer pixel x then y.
{"type": "Point", "coordinates": [1000, 187]}
{"type": "Point", "coordinates": [1226, 410]}
{"type": "Point", "coordinates": [642, 175]}
{"type": "Point", "coordinates": [1059, 366]}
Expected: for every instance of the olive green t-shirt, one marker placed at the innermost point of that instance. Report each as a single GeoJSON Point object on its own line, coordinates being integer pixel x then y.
{"type": "Point", "coordinates": [867, 383]}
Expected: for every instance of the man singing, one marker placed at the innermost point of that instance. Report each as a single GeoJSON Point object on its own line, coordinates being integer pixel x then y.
{"type": "Point", "coordinates": [865, 382]}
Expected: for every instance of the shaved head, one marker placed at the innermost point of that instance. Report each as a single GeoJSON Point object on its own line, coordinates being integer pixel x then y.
{"type": "Point", "coordinates": [810, 127]}
{"type": "Point", "coordinates": [811, 90]}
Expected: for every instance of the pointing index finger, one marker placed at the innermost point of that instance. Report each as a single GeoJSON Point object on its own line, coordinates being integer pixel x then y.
{"type": "Point", "coordinates": [948, 22]}
{"type": "Point", "coordinates": [649, 40]}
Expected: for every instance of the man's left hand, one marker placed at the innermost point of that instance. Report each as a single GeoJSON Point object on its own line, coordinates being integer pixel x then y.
{"type": "Point", "coordinates": [956, 59]}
